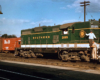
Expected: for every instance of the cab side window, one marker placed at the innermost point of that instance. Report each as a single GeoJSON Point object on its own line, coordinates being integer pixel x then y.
{"type": "Point", "coordinates": [65, 31]}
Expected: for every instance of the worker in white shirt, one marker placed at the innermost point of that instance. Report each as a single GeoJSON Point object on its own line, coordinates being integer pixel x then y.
{"type": "Point", "coordinates": [91, 37]}
{"type": "Point", "coordinates": [65, 32]}
{"type": "Point", "coordinates": [94, 50]}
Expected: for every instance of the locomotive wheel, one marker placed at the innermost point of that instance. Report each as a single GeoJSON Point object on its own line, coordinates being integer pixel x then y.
{"type": "Point", "coordinates": [85, 58]}
{"type": "Point", "coordinates": [28, 55]}
{"type": "Point", "coordinates": [59, 55]}
{"type": "Point", "coordinates": [64, 57]}
{"type": "Point", "coordinates": [33, 55]}
{"type": "Point", "coordinates": [16, 53]}
{"type": "Point", "coordinates": [22, 54]}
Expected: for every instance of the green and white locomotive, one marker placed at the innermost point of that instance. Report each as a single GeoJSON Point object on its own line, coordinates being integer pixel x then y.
{"type": "Point", "coordinates": [68, 41]}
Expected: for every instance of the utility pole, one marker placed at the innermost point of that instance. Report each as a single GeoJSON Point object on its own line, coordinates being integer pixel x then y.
{"type": "Point", "coordinates": [0, 10]}
{"type": "Point", "coordinates": [85, 3]}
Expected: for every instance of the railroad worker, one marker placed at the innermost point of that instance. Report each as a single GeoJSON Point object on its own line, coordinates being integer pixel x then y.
{"type": "Point", "coordinates": [65, 32]}
{"type": "Point", "coordinates": [91, 37]}
{"type": "Point", "coordinates": [94, 50]}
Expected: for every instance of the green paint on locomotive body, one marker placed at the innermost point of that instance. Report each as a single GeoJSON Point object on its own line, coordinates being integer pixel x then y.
{"type": "Point", "coordinates": [54, 34]}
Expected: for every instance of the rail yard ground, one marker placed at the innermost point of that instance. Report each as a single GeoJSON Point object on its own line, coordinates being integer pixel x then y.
{"type": "Point", "coordinates": [14, 68]}
{"type": "Point", "coordinates": [49, 61]}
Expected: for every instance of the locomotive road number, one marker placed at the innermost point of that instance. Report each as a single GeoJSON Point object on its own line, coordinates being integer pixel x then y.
{"type": "Point", "coordinates": [64, 37]}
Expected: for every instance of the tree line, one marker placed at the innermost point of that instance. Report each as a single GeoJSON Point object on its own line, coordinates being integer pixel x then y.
{"type": "Point", "coordinates": [8, 36]}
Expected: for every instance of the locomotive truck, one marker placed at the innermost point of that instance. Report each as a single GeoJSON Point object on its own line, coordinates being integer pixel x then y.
{"type": "Point", "coordinates": [68, 41]}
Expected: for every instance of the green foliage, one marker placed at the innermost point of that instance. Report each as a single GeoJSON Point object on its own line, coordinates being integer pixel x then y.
{"type": "Point", "coordinates": [8, 36]}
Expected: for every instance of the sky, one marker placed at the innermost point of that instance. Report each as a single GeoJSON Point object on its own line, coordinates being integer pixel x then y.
{"type": "Point", "coordinates": [26, 14]}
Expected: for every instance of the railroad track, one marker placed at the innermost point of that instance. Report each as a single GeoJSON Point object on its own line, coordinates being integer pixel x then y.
{"type": "Point", "coordinates": [55, 62]}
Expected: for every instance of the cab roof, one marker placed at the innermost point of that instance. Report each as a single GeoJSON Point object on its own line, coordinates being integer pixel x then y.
{"type": "Point", "coordinates": [67, 25]}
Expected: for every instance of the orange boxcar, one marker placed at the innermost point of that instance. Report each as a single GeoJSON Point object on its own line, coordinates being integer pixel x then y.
{"type": "Point", "coordinates": [0, 44]}
{"type": "Point", "coordinates": [9, 44]}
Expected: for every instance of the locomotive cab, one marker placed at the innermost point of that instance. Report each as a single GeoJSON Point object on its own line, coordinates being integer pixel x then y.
{"type": "Point", "coordinates": [65, 28]}
{"type": "Point", "coordinates": [65, 31]}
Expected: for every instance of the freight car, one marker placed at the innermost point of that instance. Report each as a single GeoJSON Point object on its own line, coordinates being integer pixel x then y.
{"type": "Point", "coordinates": [9, 44]}
{"type": "Point", "coordinates": [67, 40]}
